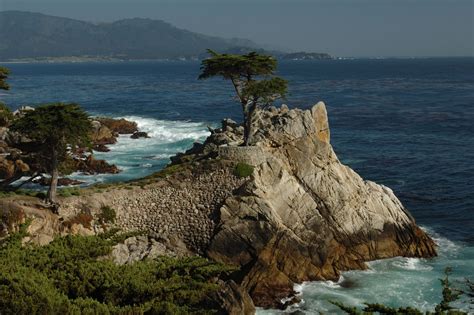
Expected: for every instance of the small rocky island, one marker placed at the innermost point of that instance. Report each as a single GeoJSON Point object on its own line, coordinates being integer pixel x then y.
{"type": "Point", "coordinates": [302, 55]}
{"type": "Point", "coordinates": [298, 215]}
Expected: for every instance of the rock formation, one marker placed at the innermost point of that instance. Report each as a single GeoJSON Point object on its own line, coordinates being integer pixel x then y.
{"type": "Point", "coordinates": [304, 215]}
{"type": "Point", "coordinates": [101, 135]}
{"type": "Point", "coordinates": [139, 134]}
{"type": "Point", "coordinates": [119, 126]}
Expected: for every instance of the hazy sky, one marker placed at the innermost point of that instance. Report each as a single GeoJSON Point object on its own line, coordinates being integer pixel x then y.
{"type": "Point", "coordinates": [339, 27]}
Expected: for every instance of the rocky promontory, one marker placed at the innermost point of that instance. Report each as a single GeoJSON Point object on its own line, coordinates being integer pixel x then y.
{"type": "Point", "coordinates": [299, 215]}
{"type": "Point", "coordinates": [304, 215]}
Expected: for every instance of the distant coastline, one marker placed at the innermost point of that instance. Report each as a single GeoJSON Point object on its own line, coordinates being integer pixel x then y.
{"type": "Point", "coordinates": [105, 59]}
{"type": "Point", "coordinates": [79, 59]}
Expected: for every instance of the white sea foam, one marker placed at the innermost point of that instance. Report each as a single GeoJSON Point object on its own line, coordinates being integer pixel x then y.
{"type": "Point", "coordinates": [445, 246]}
{"type": "Point", "coordinates": [140, 157]}
{"type": "Point", "coordinates": [332, 284]}
{"type": "Point", "coordinates": [398, 281]}
{"type": "Point", "coordinates": [411, 264]}
{"type": "Point", "coordinates": [169, 131]}
{"type": "Point", "coordinates": [299, 287]}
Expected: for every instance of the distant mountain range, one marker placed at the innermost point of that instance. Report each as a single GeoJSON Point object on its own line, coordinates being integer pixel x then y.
{"type": "Point", "coordinates": [26, 35]}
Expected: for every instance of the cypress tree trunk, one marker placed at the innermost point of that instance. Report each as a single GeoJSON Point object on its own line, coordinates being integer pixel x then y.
{"type": "Point", "coordinates": [249, 117]}
{"type": "Point", "coordinates": [51, 197]}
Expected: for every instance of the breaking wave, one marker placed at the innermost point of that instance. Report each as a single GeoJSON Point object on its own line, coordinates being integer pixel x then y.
{"type": "Point", "coordinates": [399, 281]}
{"type": "Point", "coordinates": [137, 158]}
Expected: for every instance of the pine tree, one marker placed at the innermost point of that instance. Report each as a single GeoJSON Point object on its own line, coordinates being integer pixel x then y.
{"type": "Point", "coordinates": [55, 130]}
{"type": "Point", "coordinates": [252, 76]}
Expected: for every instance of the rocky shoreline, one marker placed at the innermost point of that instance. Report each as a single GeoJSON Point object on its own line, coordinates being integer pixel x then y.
{"type": "Point", "coordinates": [300, 216]}
{"type": "Point", "coordinates": [14, 163]}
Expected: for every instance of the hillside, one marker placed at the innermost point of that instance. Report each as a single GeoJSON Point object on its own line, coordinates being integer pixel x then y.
{"type": "Point", "coordinates": [33, 35]}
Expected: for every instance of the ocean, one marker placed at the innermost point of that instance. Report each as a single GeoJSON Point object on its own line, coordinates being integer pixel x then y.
{"type": "Point", "coordinates": [404, 123]}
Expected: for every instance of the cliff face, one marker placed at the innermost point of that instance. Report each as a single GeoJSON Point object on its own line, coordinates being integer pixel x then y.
{"type": "Point", "coordinates": [304, 215]}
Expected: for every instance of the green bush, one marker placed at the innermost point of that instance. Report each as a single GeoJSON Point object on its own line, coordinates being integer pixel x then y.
{"type": "Point", "coordinates": [107, 215]}
{"type": "Point", "coordinates": [243, 170]}
{"type": "Point", "coordinates": [66, 277]}
{"type": "Point", "coordinates": [69, 191]}
{"type": "Point", "coordinates": [6, 115]}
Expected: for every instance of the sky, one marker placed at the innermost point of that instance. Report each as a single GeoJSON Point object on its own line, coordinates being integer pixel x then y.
{"type": "Point", "coordinates": [345, 28]}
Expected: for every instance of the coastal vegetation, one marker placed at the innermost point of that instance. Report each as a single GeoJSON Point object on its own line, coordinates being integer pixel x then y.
{"type": "Point", "coordinates": [6, 115]}
{"type": "Point", "coordinates": [107, 215]}
{"type": "Point", "coordinates": [253, 78]}
{"type": "Point", "coordinates": [4, 72]}
{"type": "Point", "coordinates": [243, 170]}
{"type": "Point", "coordinates": [72, 275]}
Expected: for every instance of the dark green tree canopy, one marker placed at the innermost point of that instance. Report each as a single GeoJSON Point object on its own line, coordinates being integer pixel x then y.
{"type": "Point", "coordinates": [265, 92]}
{"type": "Point", "coordinates": [237, 66]}
{"type": "Point", "coordinates": [4, 72]}
{"type": "Point", "coordinates": [55, 126]}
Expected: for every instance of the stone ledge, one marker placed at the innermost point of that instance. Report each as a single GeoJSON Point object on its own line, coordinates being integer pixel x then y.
{"type": "Point", "coordinates": [251, 155]}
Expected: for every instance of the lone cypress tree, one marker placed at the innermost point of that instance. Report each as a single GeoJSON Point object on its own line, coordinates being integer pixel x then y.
{"type": "Point", "coordinates": [55, 131]}
{"type": "Point", "coordinates": [254, 81]}
{"type": "Point", "coordinates": [4, 72]}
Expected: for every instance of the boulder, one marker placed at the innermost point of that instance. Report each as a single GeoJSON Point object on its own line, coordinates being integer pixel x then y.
{"type": "Point", "coordinates": [120, 126]}
{"type": "Point", "coordinates": [139, 134]}
{"type": "Point", "coordinates": [232, 299]}
{"type": "Point", "coordinates": [229, 123]}
{"type": "Point", "coordinates": [3, 133]}
{"type": "Point", "coordinates": [140, 247]}
{"type": "Point", "coordinates": [11, 167]}
{"type": "Point", "coordinates": [101, 148]}
{"type": "Point", "coordinates": [101, 134]}
{"type": "Point", "coordinates": [7, 168]}
{"type": "Point", "coordinates": [90, 165]}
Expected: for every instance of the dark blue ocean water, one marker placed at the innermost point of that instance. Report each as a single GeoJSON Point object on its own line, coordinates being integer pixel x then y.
{"type": "Point", "coordinates": [408, 124]}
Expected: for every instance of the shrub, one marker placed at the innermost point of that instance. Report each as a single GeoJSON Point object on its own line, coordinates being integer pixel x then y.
{"type": "Point", "coordinates": [243, 170]}
{"type": "Point", "coordinates": [82, 218]}
{"type": "Point", "coordinates": [66, 277]}
{"type": "Point", "coordinates": [107, 215]}
{"type": "Point", "coordinates": [6, 115]}
{"type": "Point", "coordinates": [11, 216]}
{"type": "Point", "coordinates": [168, 171]}
{"type": "Point", "coordinates": [69, 191]}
